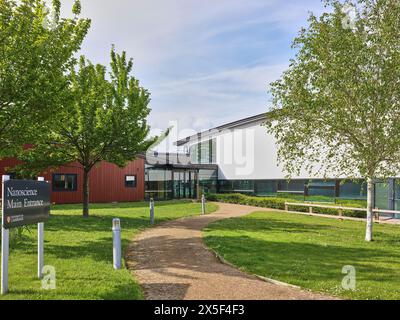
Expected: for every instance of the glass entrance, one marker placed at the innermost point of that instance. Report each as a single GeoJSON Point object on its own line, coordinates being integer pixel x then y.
{"type": "Point", "coordinates": [184, 184]}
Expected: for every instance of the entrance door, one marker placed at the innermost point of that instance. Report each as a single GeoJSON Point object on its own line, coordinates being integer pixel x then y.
{"type": "Point", "coordinates": [178, 184]}
{"type": "Point", "coordinates": [184, 184]}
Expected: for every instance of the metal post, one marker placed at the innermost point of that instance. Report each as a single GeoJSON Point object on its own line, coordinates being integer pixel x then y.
{"type": "Point", "coordinates": [116, 228]}
{"type": "Point", "coordinates": [40, 244]}
{"type": "Point", "coordinates": [203, 204]}
{"type": "Point", "coordinates": [151, 211]}
{"type": "Point", "coordinates": [4, 244]}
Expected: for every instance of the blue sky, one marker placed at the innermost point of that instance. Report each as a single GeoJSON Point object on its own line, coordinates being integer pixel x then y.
{"type": "Point", "coordinates": [205, 62]}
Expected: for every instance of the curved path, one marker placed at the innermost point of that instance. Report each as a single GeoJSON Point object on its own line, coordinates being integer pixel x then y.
{"type": "Point", "coordinates": [170, 261]}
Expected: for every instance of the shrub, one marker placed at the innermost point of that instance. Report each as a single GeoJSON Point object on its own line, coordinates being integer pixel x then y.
{"type": "Point", "coordinates": [279, 203]}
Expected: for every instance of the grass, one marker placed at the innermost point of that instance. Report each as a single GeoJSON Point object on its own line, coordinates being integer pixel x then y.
{"type": "Point", "coordinates": [80, 249]}
{"type": "Point", "coordinates": [311, 251]}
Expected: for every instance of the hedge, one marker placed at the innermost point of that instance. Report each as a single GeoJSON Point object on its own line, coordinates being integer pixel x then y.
{"type": "Point", "coordinates": [279, 203]}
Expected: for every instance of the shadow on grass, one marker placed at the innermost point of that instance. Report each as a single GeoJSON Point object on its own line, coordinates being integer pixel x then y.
{"type": "Point", "coordinates": [117, 205]}
{"type": "Point", "coordinates": [311, 254]}
{"type": "Point", "coordinates": [98, 250]}
{"type": "Point", "coordinates": [307, 261]}
{"type": "Point", "coordinates": [272, 225]}
{"type": "Point", "coordinates": [94, 223]}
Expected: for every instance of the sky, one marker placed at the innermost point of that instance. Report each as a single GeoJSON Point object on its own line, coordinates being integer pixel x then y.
{"type": "Point", "coordinates": [204, 62]}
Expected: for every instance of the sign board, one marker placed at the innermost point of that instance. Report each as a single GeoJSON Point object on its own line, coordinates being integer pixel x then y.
{"type": "Point", "coordinates": [25, 202]}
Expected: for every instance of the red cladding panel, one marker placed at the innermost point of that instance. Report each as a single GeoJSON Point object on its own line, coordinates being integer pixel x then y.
{"type": "Point", "coordinates": [106, 182]}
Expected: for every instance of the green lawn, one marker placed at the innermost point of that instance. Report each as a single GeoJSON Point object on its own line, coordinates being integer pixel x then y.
{"type": "Point", "coordinates": [81, 251]}
{"type": "Point", "coordinates": [311, 251]}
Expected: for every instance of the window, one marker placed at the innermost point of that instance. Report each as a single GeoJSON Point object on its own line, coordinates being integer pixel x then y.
{"type": "Point", "coordinates": [353, 190]}
{"type": "Point", "coordinates": [322, 188]}
{"type": "Point", "coordinates": [158, 184]}
{"type": "Point", "coordinates": [291, 185]}
{"type": "Point", "coordinates": [265, 187]}
{"type": "Point", "coordinates": [130, 181]}
{"type": "Point", "coordinates": [64, 182]}
{"type": "Point", "coordinates": [203, 152]}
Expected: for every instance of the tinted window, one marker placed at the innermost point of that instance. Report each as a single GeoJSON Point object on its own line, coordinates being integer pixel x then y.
{"type": "Point", "coordinates": [130, 181]}
{"type": "Point", "coordinates": [64, 182]}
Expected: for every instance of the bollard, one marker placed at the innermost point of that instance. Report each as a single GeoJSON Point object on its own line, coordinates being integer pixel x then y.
{"type": "Point", "coordinates": [116, 228]}
{"type": "Point", "coordinates": [151, 211]}
{"type": "Point", "coordinates": [203, 204]}
{"type": "Point", "coordinates": [40, 244]}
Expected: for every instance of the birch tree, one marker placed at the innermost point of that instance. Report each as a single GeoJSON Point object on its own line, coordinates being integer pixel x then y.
{"type": "Point", "coordinates": [336, 108]}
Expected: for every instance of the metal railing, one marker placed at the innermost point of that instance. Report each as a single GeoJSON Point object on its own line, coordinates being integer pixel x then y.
{"type": "Point", "coordinates": [339, 208]}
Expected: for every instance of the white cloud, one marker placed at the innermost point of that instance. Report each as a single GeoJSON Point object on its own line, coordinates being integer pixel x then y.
{"type": "Point", "coordinates": [205, 62]}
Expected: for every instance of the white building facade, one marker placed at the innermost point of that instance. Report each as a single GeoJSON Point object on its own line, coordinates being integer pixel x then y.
{"type": "Point", "coordinates": [241, 157]}
{"type": "Point", "coordinates": [246, 157]}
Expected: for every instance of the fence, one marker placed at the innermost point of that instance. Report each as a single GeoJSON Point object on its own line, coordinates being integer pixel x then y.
{"type": "Point", "coordinates": [340, 209]}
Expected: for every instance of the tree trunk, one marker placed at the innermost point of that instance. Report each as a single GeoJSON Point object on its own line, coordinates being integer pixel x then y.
{"type": "Point", "coordinates": [86, 193]}
{"type": "Point", "coordinates": [370, 216]}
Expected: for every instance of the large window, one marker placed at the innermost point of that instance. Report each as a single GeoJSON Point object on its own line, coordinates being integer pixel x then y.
{"type": "Point", "coordinates": [208, 180]}
{"type": "Point", "coordinates": [353, 190]}
{"type": "Point", "coordinates": [158, 183]}
{"type": "Point", "coordinates": [322, 188]}
{"type": "Point", "coordinates": [225, 186]}
{"type": "Point", "coordinates": [265, 187]}
{"type": "Point", "coordinates": [396, 205]}
{"type": "Point", "coordinates": [291, 186]}
{"type": "Point", "coordinates": [204, 152]}
{"type": "Point", "coordinates": [64, 182]}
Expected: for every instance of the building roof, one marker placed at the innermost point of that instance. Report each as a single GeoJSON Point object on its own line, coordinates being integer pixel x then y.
{"type": "Point", "coordinates": [231, 125]}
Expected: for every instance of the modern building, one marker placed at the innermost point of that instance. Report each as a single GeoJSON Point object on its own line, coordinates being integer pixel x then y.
{"type": "Point", "coordinates": [236, 157]}
{"type": "Point", "coordinates": [246, 158]}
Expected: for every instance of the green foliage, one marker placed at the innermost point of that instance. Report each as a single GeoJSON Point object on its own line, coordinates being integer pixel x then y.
{"type": "Point", "coordinates": [279, 203]}
{"type": "Point", "coordinates": [101, 120]}
{"type": "Point", "coordinates": [336, 109]}
{"type": "Point", "coordinates": [36, 51]}
{"type": "Point", "coordinates": [311, 251]}
{"type": "Point", "coordinates": [77, 8]}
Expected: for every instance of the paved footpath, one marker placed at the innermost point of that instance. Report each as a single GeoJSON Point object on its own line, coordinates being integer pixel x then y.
{"type": "Point", "coordinates": [171, 261]}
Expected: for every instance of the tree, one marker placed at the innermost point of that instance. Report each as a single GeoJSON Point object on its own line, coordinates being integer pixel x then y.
{"type": "Point", "coordinates": [36, 50]}
{"type": "Point", "coordinates": [103, 120]}
{"type": "Point", "coordinates": [336, 109]}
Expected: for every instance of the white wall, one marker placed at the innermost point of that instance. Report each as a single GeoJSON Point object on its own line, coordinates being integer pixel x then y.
{"type": "Point", "coordinates": [248, 152]}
